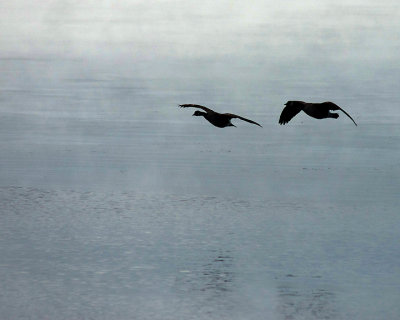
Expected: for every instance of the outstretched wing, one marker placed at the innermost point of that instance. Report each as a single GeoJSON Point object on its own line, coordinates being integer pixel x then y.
{"type": "Point", "coordinates": [234, 116]}
{"type": "Point", "coordinates": [333, 106]}
{"type": "Point", "coordinates": [289, 112]}
{"type": "Point", "coordinates": [196, 106]}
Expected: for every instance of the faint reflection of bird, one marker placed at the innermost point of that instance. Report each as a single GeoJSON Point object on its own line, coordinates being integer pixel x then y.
{"type": "Point", "coordinates": [315, 110]}
{"type": "Point", "coordinates": [220, 120]}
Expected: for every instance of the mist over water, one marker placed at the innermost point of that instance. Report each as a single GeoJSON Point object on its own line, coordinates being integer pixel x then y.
{"type": "Point", "coordinates": [117, 204]}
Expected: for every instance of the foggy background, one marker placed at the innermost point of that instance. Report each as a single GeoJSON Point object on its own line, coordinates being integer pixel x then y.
{"type": "Point", "coordinates": [115, 203]}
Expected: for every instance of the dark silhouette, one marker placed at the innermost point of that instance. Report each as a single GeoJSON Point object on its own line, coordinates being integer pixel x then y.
{"type": "Point", "coordinates": [220, 120]}
{"type": "Point", "coordinates": [315, 110]}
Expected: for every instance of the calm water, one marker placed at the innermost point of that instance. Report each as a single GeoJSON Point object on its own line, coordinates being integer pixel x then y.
{"type": "Point", "coordinates": [116, 204]}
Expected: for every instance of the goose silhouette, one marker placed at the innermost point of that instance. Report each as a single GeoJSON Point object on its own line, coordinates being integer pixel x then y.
{"type": "Point", "coordinates": [315, 110]}
{"type": "Point", "coordinates": [220, 120]}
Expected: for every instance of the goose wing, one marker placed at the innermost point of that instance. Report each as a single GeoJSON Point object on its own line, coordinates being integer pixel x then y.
{"type": "Point", "coordinates": [235, 116]}
{"type": "Point", "coordinates": [289, 112]}
{"type": "Point", "coordinates": [332, 106]}
{"type": "Point", "coordinates": [196, 106]}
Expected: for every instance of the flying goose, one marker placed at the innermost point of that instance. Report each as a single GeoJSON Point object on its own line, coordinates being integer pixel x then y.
{"type": "Point", "coordinates": [220, 120]}
{"type": "Point", "coordinates": [315, 110]}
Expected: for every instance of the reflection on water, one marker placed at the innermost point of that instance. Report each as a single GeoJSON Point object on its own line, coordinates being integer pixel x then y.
{"type": "Point", "coordinates": [213, 278]}
{"type": "Point", "coordinates": [305, 299]}
{"type": "Point", "coordinates": [218, 274]}
{"type": "Point", "coordinates": [212, 282]}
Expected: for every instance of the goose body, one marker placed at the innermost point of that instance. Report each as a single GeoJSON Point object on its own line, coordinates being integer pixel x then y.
{"type": "Point", "coordinates": [220, 120]}
{"type": "Point", "coordinates": [314, 110]}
